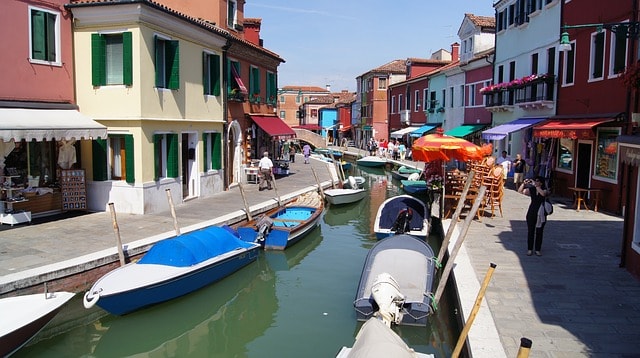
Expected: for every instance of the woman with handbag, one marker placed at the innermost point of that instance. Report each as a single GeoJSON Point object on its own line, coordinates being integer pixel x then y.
{"type": "Point", "coordinates": [536, 215]}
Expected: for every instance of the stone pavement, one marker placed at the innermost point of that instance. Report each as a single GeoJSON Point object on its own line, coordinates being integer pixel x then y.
{"type": "Point", "coordinates": [574, 301]}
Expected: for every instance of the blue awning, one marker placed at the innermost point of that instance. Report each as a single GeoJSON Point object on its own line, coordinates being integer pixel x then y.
{"type": "Point", "coordinates": [422, 130]}
{"type": "Point", "coordinates": [501, 131]}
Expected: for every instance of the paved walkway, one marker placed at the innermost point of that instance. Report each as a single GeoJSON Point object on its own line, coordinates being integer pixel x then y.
{"type": "Point", "coordinates": [574, 301]}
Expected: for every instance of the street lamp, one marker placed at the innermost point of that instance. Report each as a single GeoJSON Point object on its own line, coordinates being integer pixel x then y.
{"type": "Point", "coordinates": [627, 29]}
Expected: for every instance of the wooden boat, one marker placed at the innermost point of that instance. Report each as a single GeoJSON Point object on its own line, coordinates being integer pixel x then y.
{"type": "Point", "coordinates": [377, 340]}
{"type": "Point", "coordinates": [24, 316]}
{"type": "Point", "coordinates": [371, 161]}
{"type": "Point", "coordinates": [172, 268]}
{"type": "Point", "coordinates": [396, 281]}
{"type": "Point", "coordinates": [414, 186]}
{"type": "Point", "coordinates": [403, 214]}
{"type": "Point", "coordinates": [284, 226]}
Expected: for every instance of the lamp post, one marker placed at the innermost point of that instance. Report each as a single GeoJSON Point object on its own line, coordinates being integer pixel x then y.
{"type": "Point", "coordinates": [630, 29]}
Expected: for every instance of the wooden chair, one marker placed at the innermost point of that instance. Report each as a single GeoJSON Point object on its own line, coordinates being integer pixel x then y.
{"type": "Point", "coordinates": [495, 192]}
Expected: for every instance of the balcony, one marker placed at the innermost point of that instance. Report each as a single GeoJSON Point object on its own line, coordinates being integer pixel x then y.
{"type": "Point", "coordinates": [529, 93]}
{"type": "Point", "coordinates": [537, 94]}
{"type": "Point", "coordinates": [405, 116]}
{"type": "Point", "coordinates": [235, 96]}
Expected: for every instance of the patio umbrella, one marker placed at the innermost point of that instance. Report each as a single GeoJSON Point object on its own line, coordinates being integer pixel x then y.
{"type": "Point", "coordinates": [439, 146]}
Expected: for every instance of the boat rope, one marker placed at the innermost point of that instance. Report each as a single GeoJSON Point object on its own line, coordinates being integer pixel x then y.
{"type": "Point", "coordinates": [436, 262]}
{"type": "Point", "coordinates": [432, 298]}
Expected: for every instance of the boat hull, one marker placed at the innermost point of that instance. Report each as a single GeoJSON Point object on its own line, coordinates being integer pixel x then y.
{"type": "Point", "coordinates": [24, 316]}
{"type": "Point", "coordinates": [389, 210]}
{"type": "Point", "coordinates": [414, 186]}
{"type": "Point", "coordinates": [410, 262]}
{"type": "Point", "coordinates": [344, 196]}
{"type": "Point", "coordinates": [371, 161]}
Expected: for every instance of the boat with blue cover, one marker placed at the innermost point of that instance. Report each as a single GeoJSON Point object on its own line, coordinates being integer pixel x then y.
{"type": "Point", "coordinates": [172, 268]}
{"type": "Point", "coordinates": [403, 214]}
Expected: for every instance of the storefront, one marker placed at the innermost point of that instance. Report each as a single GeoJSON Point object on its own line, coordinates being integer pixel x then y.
{"type": "Point", "coordinates": [270, 134]}
{"type": "Point", "coordinates": [39, 150]}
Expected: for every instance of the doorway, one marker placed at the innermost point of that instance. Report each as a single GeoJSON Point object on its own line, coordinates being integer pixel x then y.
{"type": "Point", "coordinates": [583, 165]}
{"type": "Point", "coordinates": [189, 166]}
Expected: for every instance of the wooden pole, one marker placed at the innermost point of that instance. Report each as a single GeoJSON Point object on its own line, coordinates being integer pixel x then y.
{"type": "Point", "coordinates": [275, 187]}
{"type": "Point", "coordinates": [456, 247]}
{"type": "Point", "coordinates": [173, 212]}
{"type": "Point", "coordinates": [244, 200]}
{"type": "Point", "coordinates": [116, 230]}
{"type": "Point", "coordinates": [318, 182]}
{"type": "Point", "coordinates": [339, 164]}
{"type": "Point", "coordinates": [456, 215]}
{"type": "Point", "coordinates": [525, 347]}
{"type": "Point", "coordinates": [474, 312]}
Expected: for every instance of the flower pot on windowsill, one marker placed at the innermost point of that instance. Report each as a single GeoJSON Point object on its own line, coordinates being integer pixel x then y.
{"type": "Point", "coordinates": [236, 97]}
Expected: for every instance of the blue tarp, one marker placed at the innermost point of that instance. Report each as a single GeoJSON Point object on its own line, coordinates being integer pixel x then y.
{"type": "Point", "coordinates": [422, 130]}
{"type": "Point", "coordinates": [194, 247]}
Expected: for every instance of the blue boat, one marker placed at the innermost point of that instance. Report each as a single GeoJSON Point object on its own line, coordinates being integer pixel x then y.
{"type": "Point", "coordinates": [284, 226]}
{"type": "Point", "coordinates": [172, 268]}
{"type": "Point", "coordinates": [403, 214]}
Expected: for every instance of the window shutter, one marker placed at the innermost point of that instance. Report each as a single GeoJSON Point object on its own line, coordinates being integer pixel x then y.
{"type": "Point", "coordinates": [205, 73]}
{"type": "Point", "coordinates": [99, 156]}
{"type": "Point", "coordinates": [127, 58]}
{"type": "Point", "coordinates": [620, 49]}
{"type": "Point", "coordinates": [216, 75]}
{"type": "Point", "coordinates": [598, 56]}
{"type": "Point", "coordinates": [98, 74]}
{"type": "Point", "coordinates": [129, 160]}
{"type": "Point", "coordinates": [51, 36]}
{"type": "Point", "coordinates": [255, 80]}
{"type": "Point", "coordinates": [216, 151]}
{"type": "Point", "coordinates": [172, 155]}
{"type": "Point", "coordinates": [157, 138]}
{"type": "Point", "coordinates": [158, 61]}
{"type": "Point", "coordinates": [173, 65]}
{"type": "Point", "coordinates": [38, 41]}
{"type": "Point", "coordinates": [205, 158]}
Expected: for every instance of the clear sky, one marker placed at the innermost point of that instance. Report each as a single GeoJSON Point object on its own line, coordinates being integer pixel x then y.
{"type": "Point", "coordinates": [331, 42]}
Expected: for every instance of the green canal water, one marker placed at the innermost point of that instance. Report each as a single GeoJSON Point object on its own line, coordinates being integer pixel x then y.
{"type": "Point", "coordinates": [295, 303]}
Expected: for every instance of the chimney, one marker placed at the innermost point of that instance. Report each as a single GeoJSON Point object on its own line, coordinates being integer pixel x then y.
{"type": "Point", "coordinates": [328, 88]}
{"type": "Point", "coordinates": [455, 51]}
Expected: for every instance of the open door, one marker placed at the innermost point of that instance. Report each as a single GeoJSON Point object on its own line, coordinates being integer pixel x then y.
{"type": "Point", "coordinates": [583, 165]}
{"type": "Point", "coordinates": [190, 182]}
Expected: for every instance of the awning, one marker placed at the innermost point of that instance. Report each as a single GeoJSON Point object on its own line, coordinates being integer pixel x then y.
{"type": "Point", "coordinates": [569, 128]}
{"type": "Point", "coordinates": [236, 76]}
{"type": "Point", "coordinates": [309, 127]}
{"type": "Point", "coordinates": [422, 130]}
{"type": "Point", "coordinates": [47, 124]}
{"type": "Point", "coordinates": [274, 126]}
{"type": "Point", "coordinates": [501, 131]}
{"type": "Point", "coordinates": [464, 130]}
{"type": "Point", "coordinates": [401, 132]}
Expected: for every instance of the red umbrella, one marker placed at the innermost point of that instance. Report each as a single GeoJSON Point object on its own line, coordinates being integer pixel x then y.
{"type": "Point", "coordinates": [439, 146]}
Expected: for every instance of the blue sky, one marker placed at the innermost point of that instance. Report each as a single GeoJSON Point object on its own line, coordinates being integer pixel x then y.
{"type": "Point", "coordinates": [334, 41]}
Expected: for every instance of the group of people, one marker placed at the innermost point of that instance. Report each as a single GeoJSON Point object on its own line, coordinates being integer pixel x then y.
{"type": "Point", "coordinates": [393, 149]}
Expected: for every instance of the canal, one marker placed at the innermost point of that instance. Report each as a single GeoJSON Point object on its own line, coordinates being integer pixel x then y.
{"type": "Point", "coordinates": [294, 303]}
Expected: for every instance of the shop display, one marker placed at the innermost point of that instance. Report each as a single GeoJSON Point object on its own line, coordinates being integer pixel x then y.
{"type": "Point", "coordinates": [73, 188]}
{"type": "Point", "coordinates": [8, 196]}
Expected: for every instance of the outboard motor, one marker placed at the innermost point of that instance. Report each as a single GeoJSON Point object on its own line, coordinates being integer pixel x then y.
{"type": "Point", "coordinates": [263, 227]}
{"type": "Point", "coordinates": [386, 292]}
{"type": "Point", "coordinates": [403, 221]}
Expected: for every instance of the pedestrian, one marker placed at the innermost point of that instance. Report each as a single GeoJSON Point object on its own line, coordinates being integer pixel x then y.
{"type": "Point", "coordinates": [292, 153]}
{"type": "Point", "coordinates": [536, 216]}
{"type": "Point", "coordinates": [306, 150]}
{"type": "Point", "coordinates": [266, 174]}
{"type": "Point", "coordinates": [402, 149]}
{"type": "Point", "coordinates": [505, 162]}
{"type": "Point", "coordinates": [519, 166]}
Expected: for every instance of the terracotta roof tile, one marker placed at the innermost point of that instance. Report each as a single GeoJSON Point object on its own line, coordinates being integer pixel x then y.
{"type": "Point", "coordinates": [482, 21]}
{"type": "Point", "coordinates": [305, 89]}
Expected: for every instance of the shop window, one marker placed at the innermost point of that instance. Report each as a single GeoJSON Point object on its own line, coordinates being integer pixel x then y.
{"type": "Point", "coordinates": [565, 154]}
{"type": "Point", "coordinates": [211, 74]}
{"type": "Point", "coordinates": [212, 151]}
{"type": "Point", "coordinates": [45, 36]}
{"type": "Point", "coordinates": [111, 59]}
{"type": "Point", "coordinates": [167, 63]}
{"type": "Point", "coordinates": [165, 155]}
{"type": "Point", "coordinates": [607, 153]}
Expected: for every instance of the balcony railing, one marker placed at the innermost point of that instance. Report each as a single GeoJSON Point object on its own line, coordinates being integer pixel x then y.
{"type": "Point", "coordinates": [533, 94]}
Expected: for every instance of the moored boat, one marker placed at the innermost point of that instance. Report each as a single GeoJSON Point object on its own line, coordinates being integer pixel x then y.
{"type": "Point", "coordinates": [346, 195]}
{"type": "Point", "coordinates": [404, 172]}
{"type": "Point", "coordinates": [414, 186]}
{"type": "Point", "coordinates": [24, 316]}
{"type": "Point", "coordinates": [403, 214]}
{"type": "Point", "coordinates": [282, 227]}
{"type": "Point", "coordinates": [371, 161]}
{"type": "Point", "coordinates": [396, 281]}
{"type": "Point", "coordinates": [172, 268]}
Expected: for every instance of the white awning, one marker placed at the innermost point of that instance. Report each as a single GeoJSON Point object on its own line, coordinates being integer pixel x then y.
{"type": "Point", "coordinates": [47, 124]}
{"type": "Point", "coordinates": [401, 132]}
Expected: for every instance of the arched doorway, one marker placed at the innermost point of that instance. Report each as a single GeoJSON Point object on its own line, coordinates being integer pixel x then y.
{"type": "Point", "coordinates": [236, 152]}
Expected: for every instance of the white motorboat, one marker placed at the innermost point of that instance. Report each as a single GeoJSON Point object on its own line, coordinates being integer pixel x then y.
{"type": "Point", "coordinates": [346, 195]}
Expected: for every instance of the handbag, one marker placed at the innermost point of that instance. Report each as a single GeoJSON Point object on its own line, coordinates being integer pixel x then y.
{"type": "Point", "coordinates": [548, 207]}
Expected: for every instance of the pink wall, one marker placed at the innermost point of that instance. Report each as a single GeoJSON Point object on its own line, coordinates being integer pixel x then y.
{"type": "Point", "coordinates": [26, 81]}
{"type": "Point", "coordinates": [478, 114]}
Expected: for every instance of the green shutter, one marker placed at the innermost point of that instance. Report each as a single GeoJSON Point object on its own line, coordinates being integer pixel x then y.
{"type": "Point", "coordinates": [256, 81]}
{"type": "Point", "coordinates": [216, 150]}
{"type": "Point", "coordinates": [157, 56]}
{"type": "Point", "coordinates": [38, 41]}
{"type": "Point", "coordinates": [216, 75]}
{"type": "Point", "coordinates": [157, 142]}
{"type": "Point", "coordinates": [129, 160]}
{"type": "Point", "coordinates": [173, 65]}
{"type": "Point", "coordinates": [205, 157]}
{"type": "Point", "coordinates": [51, 36]}
{"type": "Point", "coordinates": [205, 73]}
{"type": "Point", "coordinates": [98, 74]}
{"type": "Point", "coordinates": [172, 156]}
{"type": "Point", "coordinates": [127, 58]}
{"type": "Point", "coordinates": [228, 74]}
{"type": "Point", "coordinates": [99, 156]}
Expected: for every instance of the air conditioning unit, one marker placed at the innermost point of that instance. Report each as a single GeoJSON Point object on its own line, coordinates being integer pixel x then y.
{"type": "Point", "coordinates": [405, 116]}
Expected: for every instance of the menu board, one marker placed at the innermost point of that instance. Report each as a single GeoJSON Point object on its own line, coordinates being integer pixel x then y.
{"type": "Point", "coordinates": [74, 189]}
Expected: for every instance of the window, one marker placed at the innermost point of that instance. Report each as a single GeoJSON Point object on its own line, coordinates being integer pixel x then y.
{"type": "Point", "coordinates": [232, 11]}
{"type": "Point", "coordinates": [425, 99]}
{"type": "Point", "coordinates": [472, 95]}
{"type": "Point", "coordinates": [400, 104]}
{"type": "Point", "coordinates": [382, 83]}
{"type": "Point", "coordinates": [432, 101]}
{"type": "Point", "coordinates": [551, 60]}
{"type": "Point", "coordinates": [314, 113]}
{"type": "Point", "coordinates": [113, 158]}
{"type": "Point", "coordinates": [451, 97]}
{"type": "Point", "coordinates": [254, 84]}
{"type": "Point", "coordinates": [444, 98]}
{"type": "Point", "coordinates": [461, 95]}
{"type": "Point", "coordinates": [416, 101]}
{"type": "Point", "coordinates": [607, 153]}
{"type": "Point", "coordinates": [596, 65]}
{"type": "Point", "coordinates": [167, 63]}
{"type": "Point", "coordinates": [111, 59]}
{"type": "Point", "coordinates": [534, 64]}
{"type": "Point", "coordinates": [283, 114]}
{"type": "Point", "coordinates": [500, 73]}
{"type": "Point", "coordinates": [512, 70]}
{"type": "Point", "coordinates": [569, 66]}
{"type": "Point", "coordinates": [272, 88]}
{"type": "Point", "coordinates": [393, 104]}
{"type": "Point", "coordinates": [211, 74]}
{"type": "Point", "coordinates": [618, 51]}
{"type": "Point", "coordinates": [282, 99]}
{"type": "Point", "coordinates": [565, 154]}
{"type": "Point", "coordinates": [165, 147]}
{"type": "Point", "coordinates": [212, 143]}
{"type": "Point", "coordinates": [45, 36]}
